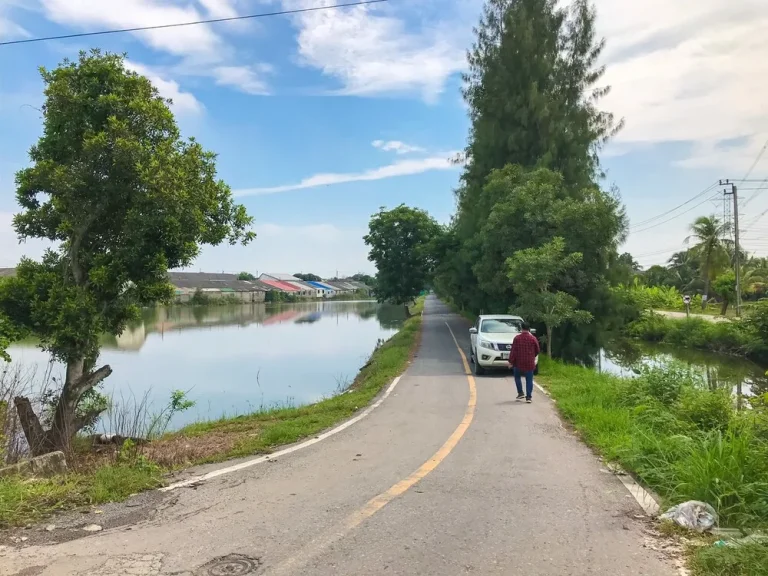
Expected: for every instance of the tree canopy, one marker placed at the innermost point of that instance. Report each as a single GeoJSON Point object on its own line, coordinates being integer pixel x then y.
{"type": "Point", "coordinates": [124, 198]}
{"type": "Point", "coordinates": [532, 168]}
{"type": "Point", "coordinates": [308, 277]}
{"type": "Point", "coordinates": [533, 273]}
{"type": "Point", "coordinates": [401, 246]}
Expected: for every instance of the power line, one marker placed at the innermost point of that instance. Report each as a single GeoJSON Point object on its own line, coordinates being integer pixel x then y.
{"type": "Point", "coordinates": [757, 160]}
{"type": "Point", "coordinates": [709, 199]}
{"type": "Point", "coordinates": [195, 23]}
{"type": "Point", "coordinates": [699, 195]}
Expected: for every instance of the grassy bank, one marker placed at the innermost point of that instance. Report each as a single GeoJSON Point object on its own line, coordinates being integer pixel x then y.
{"type": "Point", "coordinates": [740, 338]}
{"type": "Point", "coordinates": [133, 469]}
{"type": "Point", "coordinates": [682, 440]}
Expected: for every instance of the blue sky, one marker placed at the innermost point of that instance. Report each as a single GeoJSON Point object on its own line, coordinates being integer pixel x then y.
{"type": "Point", "coordinates": [321, 118]}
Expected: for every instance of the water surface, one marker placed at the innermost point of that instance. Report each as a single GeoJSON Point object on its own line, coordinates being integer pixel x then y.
{"type": "Point", "coordinates": [235, 359]}
{"type": "Point", "coordinates": [739, 375]}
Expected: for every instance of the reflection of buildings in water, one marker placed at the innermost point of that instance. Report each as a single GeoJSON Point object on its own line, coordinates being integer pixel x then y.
{"type": "Point", "coordinates": [177, 318]}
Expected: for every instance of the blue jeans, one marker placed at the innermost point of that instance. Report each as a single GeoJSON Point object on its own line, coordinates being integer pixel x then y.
{"type": "Point", "coordinates": [528, 382]}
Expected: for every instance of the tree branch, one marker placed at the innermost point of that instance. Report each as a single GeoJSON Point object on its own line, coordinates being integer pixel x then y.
{"type": "Point", "coordinates": [88, 381]}
{"type": "Point", "coordinates": [36, 437]}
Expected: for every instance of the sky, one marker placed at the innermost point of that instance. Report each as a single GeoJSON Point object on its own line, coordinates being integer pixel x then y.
{"type": "Point", "coordinates": [320, 118]}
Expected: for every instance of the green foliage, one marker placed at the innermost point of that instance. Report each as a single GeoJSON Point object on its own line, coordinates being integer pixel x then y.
{"type": "Point", "coordinates": [125, 198]}
{"type": "Point", "coordinates": [246, 276]}
{"type": "Point", "coordinates": [749, 559]}
{"type": "Point", "coordinates": [531, 162]}
{"type": "Point", "coordinates": [647, 297]}
{"type": "Point", "coordinates": [682, 439]}
{"type": "Point", "coordinates": [533, 272]}
{"type": "Point", "coordinates": [111, 181]}
{"type": "Point", "coordinates": [401, 245]}
{"type": "Point", "coordinates": [741, 338]}
{"type": "Point", "coordinates": [275, 296]}
{"type": "Point", "coordinates": [308, 277]}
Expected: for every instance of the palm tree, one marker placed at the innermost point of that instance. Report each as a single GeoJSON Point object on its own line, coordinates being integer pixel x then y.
{"type": "Point", "coordinates": [684, 267]}
{"type": "Point", "coordinates": [709, 233]}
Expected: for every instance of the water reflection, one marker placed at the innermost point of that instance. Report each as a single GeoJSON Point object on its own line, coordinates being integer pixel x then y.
{"type": "Point", "coordinates": [234, 359]}
{"type": "Point", "coordinates": [743, 377]}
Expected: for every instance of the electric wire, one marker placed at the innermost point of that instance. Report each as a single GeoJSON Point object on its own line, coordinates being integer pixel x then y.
{"type": "Point", "coordinates": [194, 23]}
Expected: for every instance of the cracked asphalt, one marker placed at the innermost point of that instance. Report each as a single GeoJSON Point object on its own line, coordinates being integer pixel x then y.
{"type": "Point", "coordinates": [518, 494]}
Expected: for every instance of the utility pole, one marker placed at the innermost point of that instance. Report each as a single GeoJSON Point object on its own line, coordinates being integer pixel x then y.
{"type": "Point", "coordinates": [735, 193]}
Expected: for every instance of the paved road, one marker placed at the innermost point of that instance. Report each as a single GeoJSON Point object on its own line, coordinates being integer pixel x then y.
{"type": "Point", "coordinates": [682, 315]}
{"type": "Point", "coordinates": [500, 488]}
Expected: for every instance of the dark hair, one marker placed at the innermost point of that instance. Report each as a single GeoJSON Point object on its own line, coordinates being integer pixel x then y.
{"type": "Point", "coordinates": [526, 327]}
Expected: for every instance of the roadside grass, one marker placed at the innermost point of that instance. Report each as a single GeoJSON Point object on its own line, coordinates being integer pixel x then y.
{"type": "Point", "coordinates": [744, 560]}
{"type": "Point", "coordinates": [680, 439]}
{"type": "Point", "coordinates": [131, 469]}
{"type": "Point", "coordinates": [24, 502]}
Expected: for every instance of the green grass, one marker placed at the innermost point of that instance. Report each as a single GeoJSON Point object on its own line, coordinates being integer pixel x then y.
{"type": "Point", "coordinates": [677, 437]}
{"type": "Point", "coordinates": [23, 502]}
{"type": "Point", "coordinates": [27, 501]}
{"type": "Point", "coordinates": [746, 560]}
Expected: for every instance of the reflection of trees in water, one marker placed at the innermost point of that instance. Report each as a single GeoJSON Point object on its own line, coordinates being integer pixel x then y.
{"type": "Point", "coordinates": [390, 317]}
{"type": "Point", "coordinates": [718, 371]}
{"type": "Point", "coordinates": [164, 319]}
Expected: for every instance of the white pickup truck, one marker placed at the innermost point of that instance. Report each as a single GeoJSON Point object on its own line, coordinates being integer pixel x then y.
{"type": "Point", "coordinates": [491, 340]}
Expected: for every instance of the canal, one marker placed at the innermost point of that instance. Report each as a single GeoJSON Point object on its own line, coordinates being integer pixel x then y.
{"type": "Point", "coordinates": [626, 358]}
{"type": "Point", "coordinates": [235, 359]}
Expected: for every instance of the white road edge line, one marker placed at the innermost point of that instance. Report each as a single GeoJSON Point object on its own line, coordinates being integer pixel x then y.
{"type": "Point", "coordinates": [284, 452]}
{"type": "Point", "coordinates": [644, 498]}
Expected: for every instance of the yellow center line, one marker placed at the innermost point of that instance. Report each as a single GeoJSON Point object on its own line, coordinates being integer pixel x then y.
{"type": "Point", "coordinates": [378, 502]}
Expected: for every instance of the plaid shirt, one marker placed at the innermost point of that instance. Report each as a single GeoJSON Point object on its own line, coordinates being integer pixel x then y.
{"type": "Point", "coordinates": [525, 348]}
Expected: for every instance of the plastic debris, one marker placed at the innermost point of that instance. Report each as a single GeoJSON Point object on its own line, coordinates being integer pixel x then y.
{"type": "Point", "coordinates": [694, 515]}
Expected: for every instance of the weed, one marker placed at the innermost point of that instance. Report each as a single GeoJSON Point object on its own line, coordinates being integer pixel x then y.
{"type": "Point", "coordinates": [745, 560]}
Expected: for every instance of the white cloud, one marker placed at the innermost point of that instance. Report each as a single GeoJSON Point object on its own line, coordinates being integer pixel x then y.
{"type": "Point", "coordinates": [182, 101]}
{"type": "Point", "coordinates": [199, 41]}
{"type": "Point", "coordinates": [247, 79]}
{"type": "Point", "coordinates": [371, 52]}
{"type": "Point", "coordinates": [690, 70]}
{"type": "Point", "coordinates": [400, 168]}
{"type": "Point", "coordinates": [203, 51]}
{"type": "Point", "coordinates": [318, 248]}
{"type": "Point", "coordinates": [396, 146]}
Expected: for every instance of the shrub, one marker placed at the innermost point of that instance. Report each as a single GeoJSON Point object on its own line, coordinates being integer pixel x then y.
{"type": "Point", "coordinates": [706, 409]}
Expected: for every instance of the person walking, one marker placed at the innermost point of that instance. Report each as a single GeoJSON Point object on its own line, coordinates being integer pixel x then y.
{"type": "Point", "coordinates": [522, 359]}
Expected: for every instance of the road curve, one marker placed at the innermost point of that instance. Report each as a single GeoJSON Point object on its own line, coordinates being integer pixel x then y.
{"type": "Point", "coordinates": [442, 478]}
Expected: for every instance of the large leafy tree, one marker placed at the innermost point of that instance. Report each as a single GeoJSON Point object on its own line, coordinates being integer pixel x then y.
{"type": "Point", "coordinates": [401, 244]}
{"type": "Point", "coordinates": [709, 244]}
{"type": "Point", "coordinates": [533, 273]}
{"type": "Point", "coordinates": [124, 199]}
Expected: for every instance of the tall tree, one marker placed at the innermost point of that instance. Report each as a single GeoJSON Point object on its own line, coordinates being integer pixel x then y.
{"type": "Point", "coordinates": [533, 273]}
{"type": "Point", "coordinates": [708, 233]}
{"type": "Point", "coordinates": [125, 198]}
{"type": "Point", "coordinates": [308, 277]}
{"type": "Point", "coordinates": [532, 88]}
{"type": "Point", "coordinates": [401, 245]}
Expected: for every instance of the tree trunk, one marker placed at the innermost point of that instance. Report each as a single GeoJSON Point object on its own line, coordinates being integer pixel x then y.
{"type": "Point", "coordinates": [65, 423]}
{"type": "Point", "coordinates": [724, 307]}
{"type": "Point", "coordinates": [549, 341]}
{"type": "Point", "coordinates": [706, 284]}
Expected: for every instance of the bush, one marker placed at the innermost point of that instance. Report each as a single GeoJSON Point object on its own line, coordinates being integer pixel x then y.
{"type": "Point", "coordinates": [735, 337]}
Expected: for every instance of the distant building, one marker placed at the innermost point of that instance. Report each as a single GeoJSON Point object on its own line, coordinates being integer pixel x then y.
{"type": "Point", "coordinates": [217, 286]}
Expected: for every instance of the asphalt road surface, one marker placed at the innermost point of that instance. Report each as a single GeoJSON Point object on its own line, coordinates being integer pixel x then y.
{"type": "Point", "coordinates": [448, 476]}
